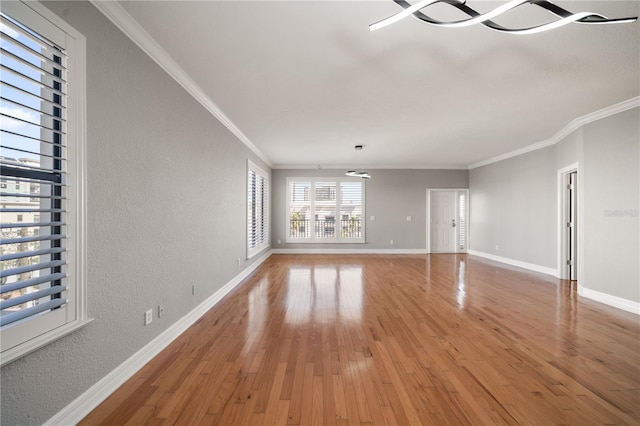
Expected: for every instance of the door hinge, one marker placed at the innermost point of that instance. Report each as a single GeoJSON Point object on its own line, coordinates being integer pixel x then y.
{"type": "Point", "coordinates": [570, 262]}
{"type": "Point", "coordinates": [569, 224]}
{"type": "Point", "coordinates": [570, 186]}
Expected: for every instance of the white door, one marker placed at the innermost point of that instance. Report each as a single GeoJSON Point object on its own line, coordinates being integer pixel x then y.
{"type": "Point", "coordinates": [443, 222]}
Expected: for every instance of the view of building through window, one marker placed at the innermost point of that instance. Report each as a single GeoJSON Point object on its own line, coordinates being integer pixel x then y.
{"type": "Point", "coordinates": [325, 209]}
{"type": "Point", "coordinates": [19, 208]}
{"type": "Point", "coordinates": [33, 157]}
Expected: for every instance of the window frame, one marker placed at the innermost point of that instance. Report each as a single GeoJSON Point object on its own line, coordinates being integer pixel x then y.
{"type": "Point", "coordinates": [312, 239]}
{"type": "Point", "coordinates": [265, 204]}
{"type": "Point", "coordinates": [31, 334]}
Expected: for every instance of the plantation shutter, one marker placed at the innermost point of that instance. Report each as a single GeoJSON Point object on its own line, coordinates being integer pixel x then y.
{"type": "Point", "coordinates": [258, 208]}
{"type": "Point", "coordinates": [253, 209]}
{"type": "Point", "coordinates": [462, 220]}
{"type": "Point", "coordinates": [299, 209]}
{"type": "Point", "coordinates": [33, 164]}
{"type": "Point", "coordinates": [325, 210]}
{"type": "Point", "coordinates": [351, 209]}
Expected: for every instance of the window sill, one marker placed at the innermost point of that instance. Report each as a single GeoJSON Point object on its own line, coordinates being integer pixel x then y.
{"type": "Point", "coordinates": [29, 346]}
{"type": "Point", "coordinates": [256, 251]}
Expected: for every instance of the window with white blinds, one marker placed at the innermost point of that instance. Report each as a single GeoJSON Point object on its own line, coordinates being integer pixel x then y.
{"type": "Point", "coordinates": [38, 239]}
{"type": "Point", "coordinates": [462, 220]}
{"type": "Point", "coordinates": [257, 209]}
{"type": "Point", "coordinates": [325, 210]}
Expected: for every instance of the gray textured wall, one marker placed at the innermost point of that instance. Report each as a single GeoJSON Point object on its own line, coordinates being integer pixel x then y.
{"type": "Point", "coordinates": [611, 184]}
{"type": "Point", "coordinates": [166, 209]}
{"type": "Point", "coordinates": [391, 196]}
{"type": "Point", "coordinates": [514, 204]}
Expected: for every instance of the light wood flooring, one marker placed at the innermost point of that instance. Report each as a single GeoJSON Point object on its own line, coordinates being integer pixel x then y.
{"type": "Point", "coordinates": [392, 339]}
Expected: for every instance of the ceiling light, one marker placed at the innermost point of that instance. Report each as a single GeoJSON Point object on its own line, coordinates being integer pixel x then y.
{"type": "Point", "coordinates": [355, 173]}
{"type": "Point", "coordinates": [475, 17]}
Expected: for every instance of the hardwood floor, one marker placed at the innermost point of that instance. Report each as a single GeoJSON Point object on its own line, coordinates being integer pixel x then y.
{"type": "Point", "coordinates": [402, 339]}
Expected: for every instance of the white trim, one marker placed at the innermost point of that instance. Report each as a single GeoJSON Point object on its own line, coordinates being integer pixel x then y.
{"type": "Point", "coordinates": [132, 29]}
{"type": "Point", "coordinates": [312, 180]}
{"type": "Point", "coordinates": [348, 251]}
{"type": "Point", "coordinates": [564, 132]}
{"type": "Point", "coordinates": [520, 264]}
{"type": "Point", "coordinates": [29, 346]}
{"type": "Point", "coordinates": [607, 299]}
{"type": "Point", "coordinates": [370, 167]}
{"type": "Point", "coordinates": [90, 399]}
{"type": "Point", "coordinates": [562, 219]}
{"type": "Point", "coordinates": [428, 224]}
{"type": "Point", "coordinates": [252, 167]}
{"type": "Point", "coordinates": [75, 312]}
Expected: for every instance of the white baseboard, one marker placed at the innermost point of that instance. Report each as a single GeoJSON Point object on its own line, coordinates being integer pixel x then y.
{"type": "Point", "coordinates": [96, 394]}
{"type": "Point", "coordinates": [607, 299]}
{"type": "Point", "coordinates": [349, 251]}
{"type": "Point", "coordinates": [525, 265]}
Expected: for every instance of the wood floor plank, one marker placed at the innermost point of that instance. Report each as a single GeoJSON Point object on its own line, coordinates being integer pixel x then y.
{"type": "Point", "coordinates": [392, 339]}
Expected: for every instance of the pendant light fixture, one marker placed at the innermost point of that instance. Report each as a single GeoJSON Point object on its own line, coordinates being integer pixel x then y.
{"type": "Point", "coordinates": [355, 173]}
{"type": "Point", "coordinates": [564, 16]}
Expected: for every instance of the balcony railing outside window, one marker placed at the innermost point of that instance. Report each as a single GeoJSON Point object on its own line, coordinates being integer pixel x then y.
{"type": "Point", "coordinates": [323, 228]}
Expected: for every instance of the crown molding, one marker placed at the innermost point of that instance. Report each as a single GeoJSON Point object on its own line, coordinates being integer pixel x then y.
{"type": "Point", "coordinates": [566, 131]}
{"type": "Point", "coordinates": [369, 167]}
{"type": "Point", "coordinates": [132, 29]}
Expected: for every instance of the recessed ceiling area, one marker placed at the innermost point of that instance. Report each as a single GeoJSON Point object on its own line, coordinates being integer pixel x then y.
{"type": "Point", "coordinates": [305, 81]}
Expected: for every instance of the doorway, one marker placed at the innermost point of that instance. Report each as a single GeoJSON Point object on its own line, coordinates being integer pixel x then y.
{"type": "Point", "coordinates": [572, 231]}
{"type": "Point", "coordinates": [568, 226]}
{"type": "Point", "coordinates": [447, 219]}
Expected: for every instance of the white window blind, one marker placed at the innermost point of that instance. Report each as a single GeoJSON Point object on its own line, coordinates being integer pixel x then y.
{"type": "Point", "coordinates": [37, 295]}
{"type": "Point", "coordinates": [33, 161]}
{"type": "Point", "coordinates": [257, 209]}
{"type": "Point", "coordinates": [462, 220]}
{"type": "Point", "coordinates": [325, 210]}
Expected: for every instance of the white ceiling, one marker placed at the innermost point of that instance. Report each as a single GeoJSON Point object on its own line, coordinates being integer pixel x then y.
{"type": "Point", "coordinates": [305, 81]}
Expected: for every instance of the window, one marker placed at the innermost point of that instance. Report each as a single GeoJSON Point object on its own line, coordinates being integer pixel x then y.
{"type": "Point", "coordinates": [325, 210]}
{"type": "Point", "coordinates": [462, 220]}
{"type": "Point", "coordinates": [42, 248]}
{"type": "Point", "coordinates": [257, 209]}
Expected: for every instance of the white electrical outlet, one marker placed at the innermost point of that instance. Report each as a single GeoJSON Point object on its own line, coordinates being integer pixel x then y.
{"type": "Point", "coordinates": [497, 247]}
{"type": "Point", "coordinates": [238, 260]}
{"type": "Point", "coordinates": [373, 218]}
{"type": "Point", "coordinates": [148, 317]}
{"type": "Point", "coordinates": [391, 242]}
{"type": "Point", "coordinates": [408, 218]}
